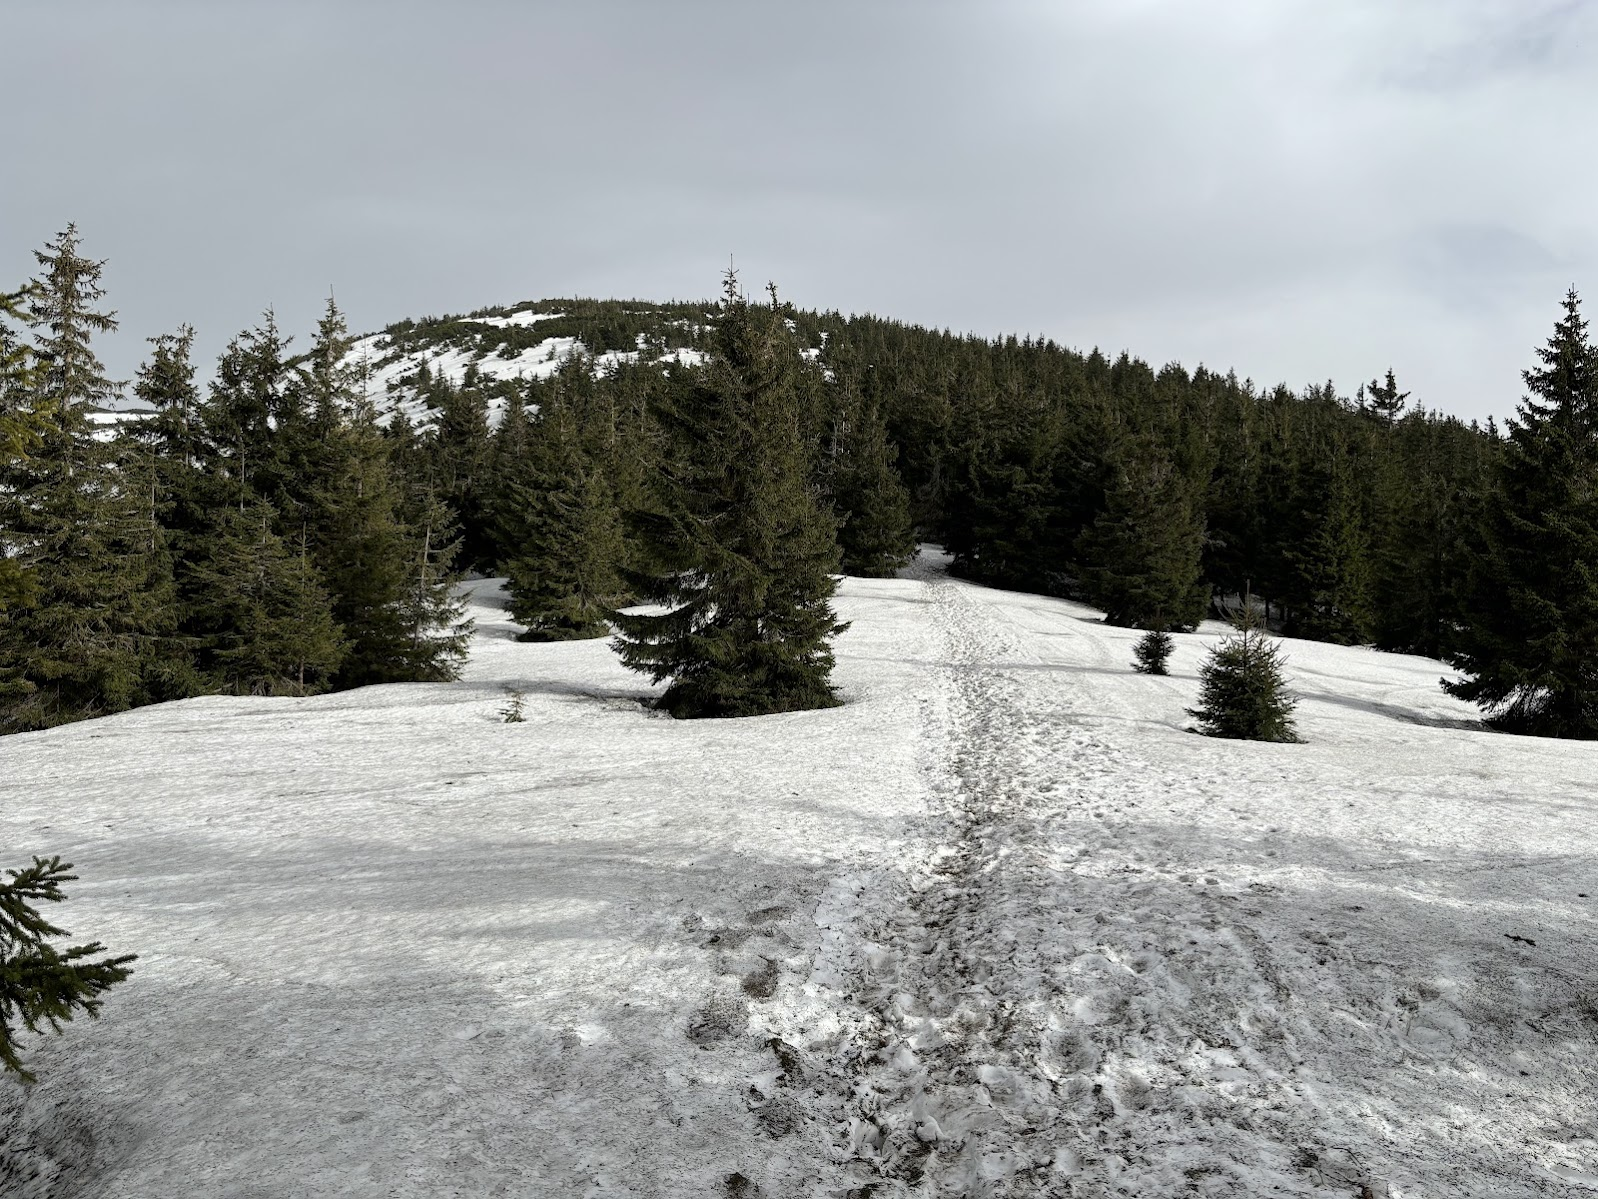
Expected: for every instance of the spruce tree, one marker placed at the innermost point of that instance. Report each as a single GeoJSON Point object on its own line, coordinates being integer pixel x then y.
{"type": "Point", "coordinates": [42, 987]}
{"type": "Point", "coordinates": [876, 536]}
{"type": "Point", "coordinates": [265, 622]}
{"type": "Point", "coordinates": [388, 577]}
{"type": "Point", "coordinates": [1530, 640]}
{"type": "Point", "coordinates": [246, 398]}
{"type": "Point", "coordinates": [438, 633]}
{"type": "Point", "coordinates": [1242, 694]}
{"type": "Point", "coordinates": [1383, 400]}
{"type": "Point", "coordinates": [63, 310]}
{"type": "Point", "coordinates": [1331, 563]}
{"type": "Point", "coordinates": [564, 565]}
{"type": "Point", "coordinates": [1142, 554]}
{"type": "Point", "coordinates": [458, 448]}
{"type": "Point", "coordinates": [743, 544]}
{"type": "Point", "coordinates": [21, 429]}
{"type": "Point", "coordinates": [83, 647]}
{"type": "Point", "coordinates": [1152, 652]}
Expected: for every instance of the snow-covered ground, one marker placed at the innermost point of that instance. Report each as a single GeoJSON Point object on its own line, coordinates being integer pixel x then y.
{"type": "Point", "coordinates": [998, 926]}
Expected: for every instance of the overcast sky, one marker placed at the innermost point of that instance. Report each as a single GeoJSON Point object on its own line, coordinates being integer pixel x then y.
{"type": "Point", "coordinates": [1299, 191]}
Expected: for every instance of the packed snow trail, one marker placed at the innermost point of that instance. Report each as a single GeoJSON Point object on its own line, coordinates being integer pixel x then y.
{"type": "Point", "coordinates": [1075, 988]}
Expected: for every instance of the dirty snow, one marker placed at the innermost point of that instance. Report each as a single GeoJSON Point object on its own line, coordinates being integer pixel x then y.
{"type": "Point", "coordinates": [998, 926]}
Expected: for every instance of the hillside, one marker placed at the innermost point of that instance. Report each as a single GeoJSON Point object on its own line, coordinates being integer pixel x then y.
{"type": "Point", "coordinates": [999, 924]}
{"type": "Point", "coordinates": [497, 348]}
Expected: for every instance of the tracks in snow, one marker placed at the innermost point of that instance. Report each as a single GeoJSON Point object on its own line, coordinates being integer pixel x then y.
{"type": "Point", "coordinates": [1037, 1004]}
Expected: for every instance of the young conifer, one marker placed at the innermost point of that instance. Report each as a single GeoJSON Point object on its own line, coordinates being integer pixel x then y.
{"type": "Point", "coordinates": [1152, 652]}
{"type": "Point", "coordinates": [743, 544]}
{"type": "Point", "coordinates": [1242, 694]}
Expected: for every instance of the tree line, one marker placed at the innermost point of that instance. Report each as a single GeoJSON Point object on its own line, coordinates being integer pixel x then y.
{"type": "Point", "coordinates": [250, 538]}
{"type": "Point", "coordinates": [270, 534]}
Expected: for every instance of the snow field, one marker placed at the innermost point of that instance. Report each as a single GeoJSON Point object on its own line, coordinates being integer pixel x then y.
{"type": "Point", "coordinates": [998, 926]}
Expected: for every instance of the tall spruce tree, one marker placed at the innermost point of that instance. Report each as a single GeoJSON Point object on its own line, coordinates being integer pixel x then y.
{"type": "Point", "coordinates": [1529, 649]}
{"type": "Point", "coordinates": [1331, 563]}
{"type": "Point", "coordinates": [1383, 400]}
{"type": "Point", "coordinates": [21, 429]}
{"type": "Point", "coordinates": [743, 543]}
{"type": "Point", "coordinates": [264, 621]}
{"type": "Point", "coordinates": [390, 581]}
{"type": "Point", "coordinates": [458, 448]}
{"type": "Point", "coordinates": [876, 536]}
{"type": "Point", "coordinates": [83, 647]}
{"type": "Point", "coordinates": [1142, 554]}
{"type": "Point", "coordinates": [238, 416]}
{"type": "Point", "coordinates": [564, 536]}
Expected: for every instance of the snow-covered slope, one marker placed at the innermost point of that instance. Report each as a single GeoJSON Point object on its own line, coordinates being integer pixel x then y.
{"type": "Point", "coordinates": [390, 360]}
{"type": "Point", "coordinates": [997, 926]}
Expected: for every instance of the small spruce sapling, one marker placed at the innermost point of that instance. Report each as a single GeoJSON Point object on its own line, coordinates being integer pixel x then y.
{"type": "Point", "coordinates": [41, 986]}
{"type": "Point", "coordinates": [512, 711]}
{"type": "Point", "coordinates": [1152, 651]}
{"type": "Point", "coordinates": [1242, 694]}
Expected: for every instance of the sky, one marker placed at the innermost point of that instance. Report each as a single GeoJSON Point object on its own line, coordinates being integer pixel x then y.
{"type": "Point", "coordinates": [1297, 191]}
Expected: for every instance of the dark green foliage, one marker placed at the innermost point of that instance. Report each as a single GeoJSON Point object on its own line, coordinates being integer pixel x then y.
{"type": "Point", "coordinates": [249, 391]}
{"type": "Point", "coordinates": [390, 580]}
{"type": "Point", "coordinates": [1529, 649]}
{"type": "Point", "coordinates": [564, 544]}
{"type": "Point", "coordinates": [1383, 400]}
{"type": "Point", "coordinates": [42, 987]}
{"type": "Point", "coordinates": [22, 426]}
{"type": "Point", "coordinates": [456, 451]}
{"type": "Point", "coordinates": [264, 622]}
{"type": "Point", "coordinates": [514, 710]}
{"type": "Point", "coordinates": [62, 307]}
{"type": "Point", "coordinates": [1331, 561]}
{"type": "Point", "coordinates": [1152, 652]}
{"type": "Point", "coordinates": [1429, 490]}
{"type": "Point", "coordinates": [1141, 557]}
{"type": "Point", "coordinates": [88, 639]}
{"type": "Point", "coordinates": [741, 541]}
{"type": "Point", "coordinates": [1242, 694]}
{"type": "Point", "coordinates": [876, 536]}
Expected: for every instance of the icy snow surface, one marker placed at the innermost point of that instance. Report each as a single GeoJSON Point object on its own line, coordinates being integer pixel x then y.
{"type": "Point", "coordinates": [998, 926]}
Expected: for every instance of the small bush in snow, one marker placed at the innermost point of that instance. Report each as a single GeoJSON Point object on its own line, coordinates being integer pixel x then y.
{"type": "Point", "coordinates": [1152, 652]}
{"type": "Point", "coordinates": [1241, 690]}
{"type": "Point", "coordinates": [40, 986]}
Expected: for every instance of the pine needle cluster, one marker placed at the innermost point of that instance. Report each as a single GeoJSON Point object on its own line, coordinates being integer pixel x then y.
{"type": "Point", "coordinates": [42, 987]}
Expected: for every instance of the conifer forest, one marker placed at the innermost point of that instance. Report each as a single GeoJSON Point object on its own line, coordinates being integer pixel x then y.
{"type": "Point", "coordinates": [274, 524]}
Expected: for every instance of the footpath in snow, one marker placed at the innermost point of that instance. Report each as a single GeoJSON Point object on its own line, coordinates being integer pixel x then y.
{"type": "Point", "coordinates": [998, 926]}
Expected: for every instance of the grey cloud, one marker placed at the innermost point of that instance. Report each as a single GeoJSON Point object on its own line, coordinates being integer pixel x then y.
{"type": "Point", "coordinates": [1298, 190]}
